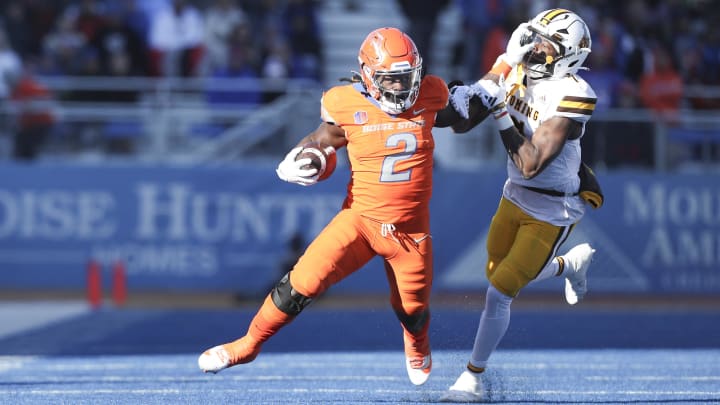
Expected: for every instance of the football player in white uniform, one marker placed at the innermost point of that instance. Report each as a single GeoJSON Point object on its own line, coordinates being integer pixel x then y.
{"type": "Point", "coordinates": [540, 106]}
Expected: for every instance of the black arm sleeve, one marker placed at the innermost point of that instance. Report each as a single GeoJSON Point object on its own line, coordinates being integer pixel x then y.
{"type": "Point", "coordinates": [446, 117]}
{"type": "Point", "coordinates": [512, 140]}
{"type": "Point", "coordinates": [478, 113]}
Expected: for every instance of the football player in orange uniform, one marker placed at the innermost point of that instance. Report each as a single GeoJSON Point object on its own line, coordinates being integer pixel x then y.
{"type": "Point", "coordinates": [384, 118]}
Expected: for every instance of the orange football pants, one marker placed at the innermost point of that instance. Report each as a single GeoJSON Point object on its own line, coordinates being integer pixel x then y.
{"type": "Point", "coordinates": [350, 240]}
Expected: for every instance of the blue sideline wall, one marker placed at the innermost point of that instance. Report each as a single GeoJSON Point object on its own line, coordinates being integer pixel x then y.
{"type": "Point", "coordinates": [227, 228]}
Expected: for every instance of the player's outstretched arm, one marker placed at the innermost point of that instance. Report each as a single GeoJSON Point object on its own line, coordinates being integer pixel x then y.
{"type": "Point", "coordinates": [470, 105]}
{"type": "Point", "coordinates": [463, 112]}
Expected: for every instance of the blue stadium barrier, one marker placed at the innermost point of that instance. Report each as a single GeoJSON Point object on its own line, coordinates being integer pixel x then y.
{"type": "Point", "coordinates": [226, 229]}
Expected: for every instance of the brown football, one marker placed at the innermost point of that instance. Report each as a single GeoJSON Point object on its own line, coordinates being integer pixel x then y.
{"type": "Point", "coordinates": [323, 158]}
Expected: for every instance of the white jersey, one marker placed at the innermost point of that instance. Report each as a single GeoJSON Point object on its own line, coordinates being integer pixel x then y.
{"type": "Point", "coordinates": [529, 107]}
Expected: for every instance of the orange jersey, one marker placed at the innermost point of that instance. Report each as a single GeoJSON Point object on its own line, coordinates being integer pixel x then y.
{"type": "Point", "coordinates": [391, 156]}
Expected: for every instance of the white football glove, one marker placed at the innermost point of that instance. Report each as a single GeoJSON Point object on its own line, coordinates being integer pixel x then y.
{"type": "Point", "coordinates": [460, 100]}
{"type": "Point", "coordinates": [291, 170]}
{"type": "Point", "coordinates": [514, 52]}
{"type": "Point", "coordinates": [490, 93]}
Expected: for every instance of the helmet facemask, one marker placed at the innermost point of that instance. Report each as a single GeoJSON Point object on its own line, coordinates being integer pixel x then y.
{"type": "Point", "coordinates": [398, 88]}
{"type": "Point", "coordinates": [539, 62]}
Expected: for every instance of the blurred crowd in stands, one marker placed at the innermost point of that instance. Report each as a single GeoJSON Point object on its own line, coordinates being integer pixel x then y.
{"type": "Point", "coordinates": [645, 52]}
{"type": "Point", "coordinates": [659, 55]}
{"type": "Point", "coordinates": [248, 38]}
{"type": "Point", "coordinates": [269, 39]}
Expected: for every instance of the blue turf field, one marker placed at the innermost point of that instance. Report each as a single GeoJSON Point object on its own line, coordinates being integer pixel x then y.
{"type": "Point", "coordinates": [555, 355]}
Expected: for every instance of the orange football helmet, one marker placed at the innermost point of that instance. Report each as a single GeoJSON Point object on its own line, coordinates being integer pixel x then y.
{"type": "Point", "coordinates": [391, 69]}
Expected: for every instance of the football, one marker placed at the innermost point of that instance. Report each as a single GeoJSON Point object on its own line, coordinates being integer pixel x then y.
{"type": "Point", "coordinates": [322, 157]}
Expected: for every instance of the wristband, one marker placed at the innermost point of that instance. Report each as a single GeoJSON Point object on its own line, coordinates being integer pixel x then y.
{"type": "Point", "coordinates": [501, 68]}
{"type": "Point", "coordinates": [502, 119]}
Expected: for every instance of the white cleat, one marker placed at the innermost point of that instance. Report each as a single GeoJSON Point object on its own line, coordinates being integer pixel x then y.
{"type": "Point", "coordinates": [467, 388]}
{"type": "Point", "coordinates": [214, 360]}
{"type": "Point", "coordinates": [577, 260]}
{"type": "Point", "coordinates": [418, 369]}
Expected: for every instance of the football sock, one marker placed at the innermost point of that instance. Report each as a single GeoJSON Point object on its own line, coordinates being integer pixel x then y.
{"type": "Point", "coordinates": [417, 344]}
{"type": "Point", "coordinates": [494, 322]}
{"type": "Point", "coordinates": [476, 370]}
{"type": "Point", "coordinates": [243, 350]}
{"type": "Point", "coordinates": [268, 321]}
{"type": "Point", "coordinates": [550, 270]}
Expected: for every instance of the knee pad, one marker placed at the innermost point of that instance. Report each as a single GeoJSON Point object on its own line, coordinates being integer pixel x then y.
{"type": "Point", "coordinates": [414, 323]}
{"type": "Point", "coordinates": [287, 299]}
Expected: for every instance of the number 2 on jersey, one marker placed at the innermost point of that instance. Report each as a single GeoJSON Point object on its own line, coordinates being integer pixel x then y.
{"type": "Point", "coordinates": [388, 173]}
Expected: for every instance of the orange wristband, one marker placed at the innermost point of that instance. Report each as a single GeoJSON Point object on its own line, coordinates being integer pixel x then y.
{"type": "Point", "coordinates": [501, 68]}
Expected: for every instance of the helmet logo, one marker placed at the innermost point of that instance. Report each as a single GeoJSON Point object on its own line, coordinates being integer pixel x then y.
{"type": "Point", "coordinates": [584, 42]}
{"type": "Point", "coordinates": [377, 46]}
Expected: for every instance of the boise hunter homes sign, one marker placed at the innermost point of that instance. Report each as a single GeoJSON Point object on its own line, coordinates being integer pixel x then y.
{"type": "Point", "coordinates": [227, 228]}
